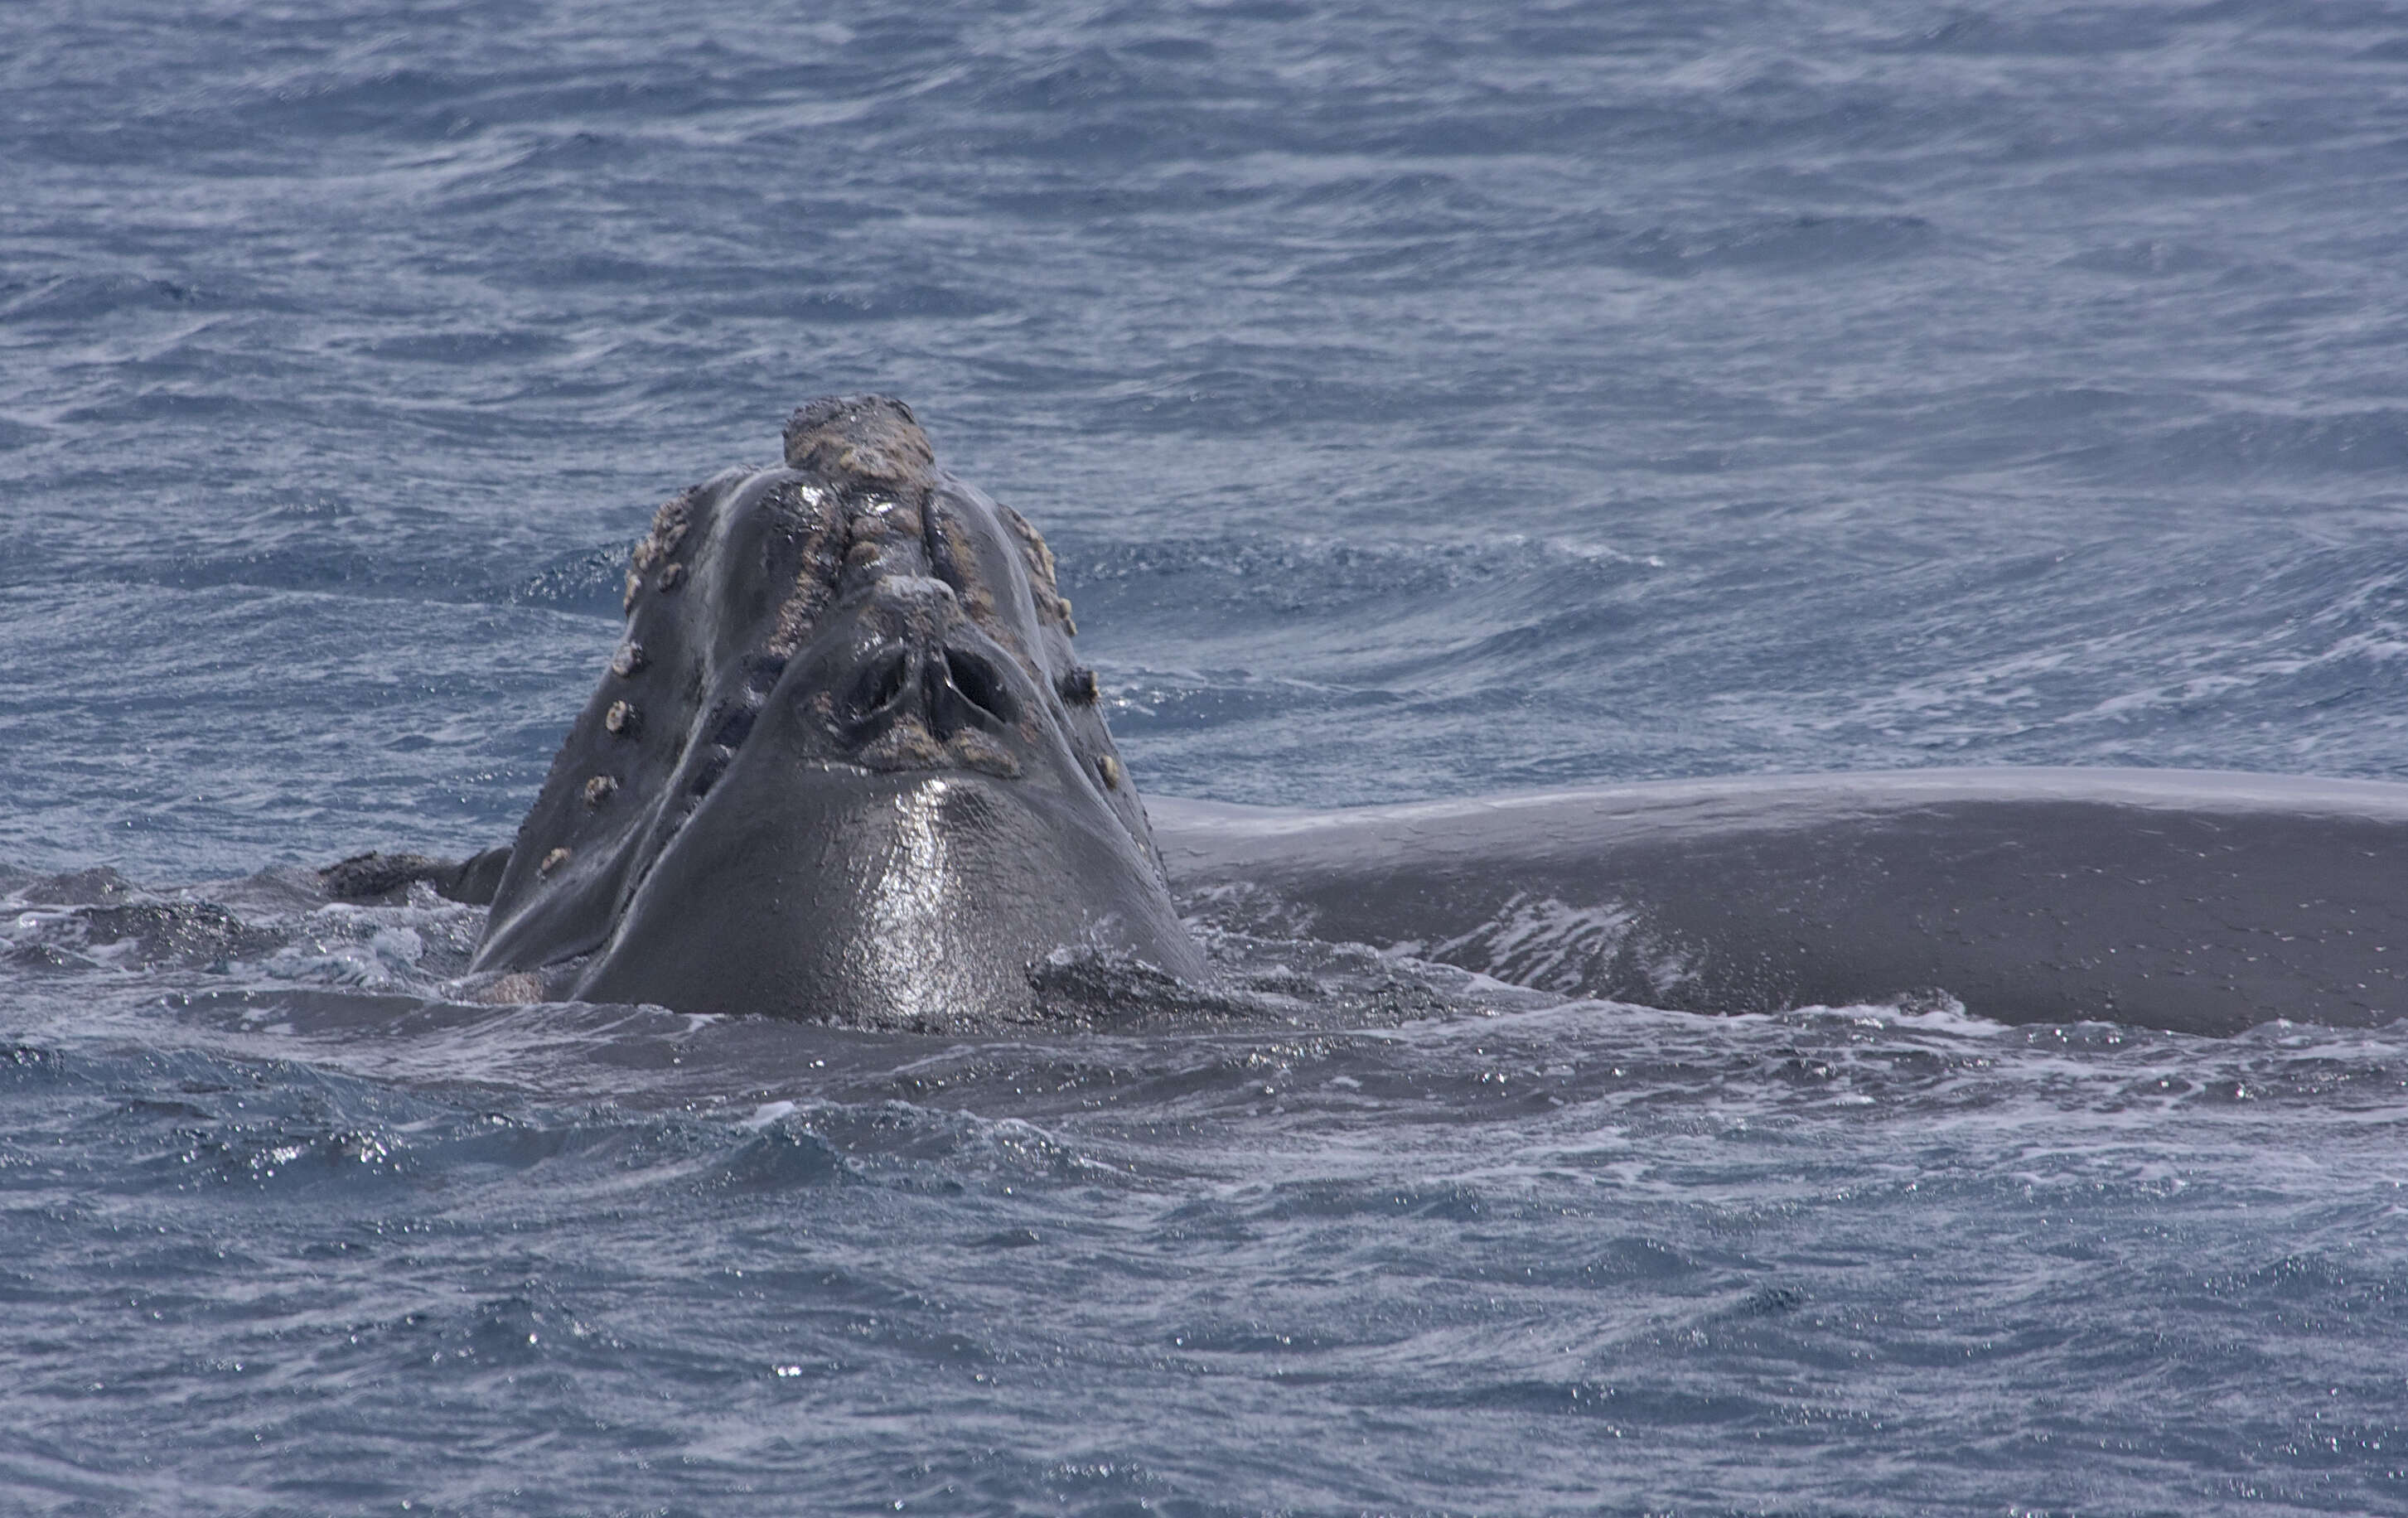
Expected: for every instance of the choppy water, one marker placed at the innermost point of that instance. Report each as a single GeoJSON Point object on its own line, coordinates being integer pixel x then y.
{"type": "Point", "coordinates": [1422, 399]}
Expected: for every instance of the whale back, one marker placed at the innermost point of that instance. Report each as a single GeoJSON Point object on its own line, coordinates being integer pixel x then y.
{"type": "Point", "coordinates": [2200, 903]}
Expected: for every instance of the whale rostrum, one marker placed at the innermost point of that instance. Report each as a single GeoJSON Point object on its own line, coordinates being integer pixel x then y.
{"type": "Point", "coordinates": [845, 764]}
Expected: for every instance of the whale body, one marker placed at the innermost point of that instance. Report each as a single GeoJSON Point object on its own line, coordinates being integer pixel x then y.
{"type": "Point", "coordinates": [845, 767]}
{"type": "Point", "coordinates": [2195, 902]}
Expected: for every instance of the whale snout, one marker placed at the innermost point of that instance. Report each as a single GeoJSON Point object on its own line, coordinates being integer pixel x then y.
{"type": "Point", "coordinates": [810, 647]}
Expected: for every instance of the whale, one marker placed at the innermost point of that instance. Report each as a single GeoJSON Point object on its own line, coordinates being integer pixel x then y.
{"type": "Point", "coordinates": [2195, 902]}
{"type": "Point", "coordinates": [844, 765]}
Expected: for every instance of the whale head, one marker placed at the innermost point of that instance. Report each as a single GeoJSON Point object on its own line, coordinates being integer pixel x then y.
{"type": "Point", "coordinates": [845, 764]}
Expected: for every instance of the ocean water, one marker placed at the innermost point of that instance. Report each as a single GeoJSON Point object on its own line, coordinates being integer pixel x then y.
{"type": "Point", "coordinates": [1422, 399]}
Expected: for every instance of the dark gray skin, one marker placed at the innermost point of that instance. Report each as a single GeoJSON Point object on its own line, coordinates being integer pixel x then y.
{"type": "Point", "coordinates": [2200, 903]}
{"type": "Point", "coordinates": [844, 767]}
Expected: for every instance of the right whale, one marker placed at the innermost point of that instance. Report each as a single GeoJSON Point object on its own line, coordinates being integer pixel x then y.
{"type": "Point", "coordinates": [845, 767]}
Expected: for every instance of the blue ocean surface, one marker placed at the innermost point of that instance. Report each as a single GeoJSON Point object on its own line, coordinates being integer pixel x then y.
{"type": "Point", "coordinates": [1422, 399]}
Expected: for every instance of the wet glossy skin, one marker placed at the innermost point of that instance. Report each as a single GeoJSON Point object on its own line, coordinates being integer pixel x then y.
{"type": "Point", "coordinates": [844, 767]}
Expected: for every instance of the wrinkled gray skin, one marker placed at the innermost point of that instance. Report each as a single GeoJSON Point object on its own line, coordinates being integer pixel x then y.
{"type": "Point", "coordinates": [844, 765]}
